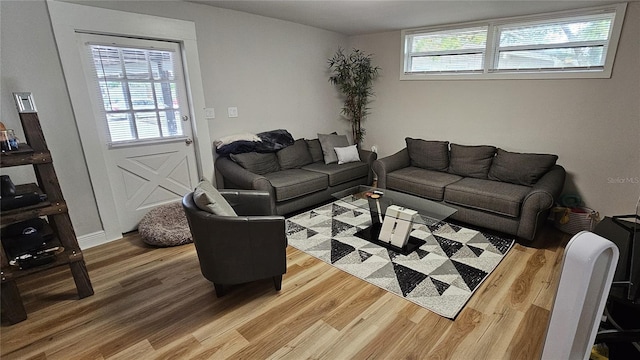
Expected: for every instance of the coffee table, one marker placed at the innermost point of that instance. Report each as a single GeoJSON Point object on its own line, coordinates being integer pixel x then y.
{"type": "Point", "coordinates": [378, 200]}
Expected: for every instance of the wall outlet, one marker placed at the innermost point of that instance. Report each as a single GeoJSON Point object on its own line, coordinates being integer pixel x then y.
{"type": "Point", "coordinates": [209, 113]}
{"type": "Point", "coordinates": [233, 112]}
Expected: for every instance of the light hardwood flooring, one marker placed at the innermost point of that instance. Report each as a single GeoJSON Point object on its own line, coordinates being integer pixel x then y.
{"type": "Point", "coordinates": [153, 303]}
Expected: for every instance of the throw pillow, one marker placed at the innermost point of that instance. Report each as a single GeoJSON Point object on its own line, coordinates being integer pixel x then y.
{"type": "Point", "coordinates": [257, 163]}
{"type": "Point", "coordinates": [471, 161]}
{"type": "Point", "coordinates": [519, 168]}
{"type": "Point", "coordinates": [315, 150]}
{"type": "Point", "coordinates": [347, 154]}
{"type": "Point", "coordinates": [207, 198]}
{"type": "Point", "coordinates": [294, 156]}
{"type": "Point", "coordinates": [330, 141]}
{"type": "Point", "coordinates": [430, 155]}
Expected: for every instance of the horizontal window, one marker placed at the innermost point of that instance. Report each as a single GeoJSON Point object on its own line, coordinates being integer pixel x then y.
{"type": "Point", "coordinates": [560, 45]}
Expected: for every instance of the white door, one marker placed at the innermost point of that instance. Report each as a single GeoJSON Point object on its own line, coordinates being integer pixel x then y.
{"type": "Point", "coordinates": [138, 94]}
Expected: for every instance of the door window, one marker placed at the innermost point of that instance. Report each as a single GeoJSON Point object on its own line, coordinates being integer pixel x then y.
{"type": "Point", "coordinates": [139, 92]}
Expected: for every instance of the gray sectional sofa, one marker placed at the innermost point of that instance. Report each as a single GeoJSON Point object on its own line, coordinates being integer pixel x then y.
{"type": "Point", "coordinates": [491, 188]}
{"type": "Point", "coordinates": [300, 175]}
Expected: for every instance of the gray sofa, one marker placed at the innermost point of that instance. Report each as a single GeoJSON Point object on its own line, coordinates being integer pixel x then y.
{"type": "Point", "coordinates": [296, 177]}
{"type": "Point", "coordinates": [491, 188]}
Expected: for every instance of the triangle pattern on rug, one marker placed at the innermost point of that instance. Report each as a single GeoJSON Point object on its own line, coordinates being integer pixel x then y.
{"type": "Point", "coordinates": [340, 250]}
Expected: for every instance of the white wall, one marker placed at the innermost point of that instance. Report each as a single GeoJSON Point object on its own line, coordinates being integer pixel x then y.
{"type": "Point", "coordinates": [593, 125]}
{"type": "Point", "coordinates": [29, 63]}
{"type": "Point", "coordinates": [274, 71]}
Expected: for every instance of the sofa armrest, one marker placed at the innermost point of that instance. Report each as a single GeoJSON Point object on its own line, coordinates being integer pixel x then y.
{"type": "Point", "coordinates": [391, 163]}
{"type": "Point", "coordinates": [241, 178]}
{"type": "Point", "coordinates": [539, 200]}
{"type": "Point", "coordinates": [368, 157]}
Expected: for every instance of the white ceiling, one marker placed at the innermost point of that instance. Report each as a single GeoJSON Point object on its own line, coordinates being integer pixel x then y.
{"type": "Point", "coordinates": [357, 17]}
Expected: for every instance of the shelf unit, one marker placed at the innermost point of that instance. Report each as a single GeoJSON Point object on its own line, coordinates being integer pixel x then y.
{"type": "Point", "coordinates": [35, 153]}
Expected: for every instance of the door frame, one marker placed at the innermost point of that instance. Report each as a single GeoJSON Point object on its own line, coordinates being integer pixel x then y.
{"type": "Point", "coordinates": [67, 20]}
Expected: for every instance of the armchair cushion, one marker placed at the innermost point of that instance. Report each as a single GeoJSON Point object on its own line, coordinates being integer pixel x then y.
{"type": "Point", "coordinates": [430, 155]}
{"type": "Point", "coordinates": [519, 168]}
{"type": "Point", "coordinates": [330, 141]}
{"type": "Point", "coordinates": [257, 163]}
{"type": "Point", "coordinates": [294, 156]}
{"type": "Point", "coordinates": [207, 198]}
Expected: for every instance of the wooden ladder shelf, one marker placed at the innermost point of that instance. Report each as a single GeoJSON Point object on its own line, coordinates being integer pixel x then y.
{"type": "Point", "coordinates": [35, 153]}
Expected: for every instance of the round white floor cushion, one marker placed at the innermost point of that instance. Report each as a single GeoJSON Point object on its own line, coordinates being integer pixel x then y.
{"type": "Point", "coordinates": [166, 225]}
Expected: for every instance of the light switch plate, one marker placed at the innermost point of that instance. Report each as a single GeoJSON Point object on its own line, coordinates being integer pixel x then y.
{"type": "Point", "coordinates": [209, 113]}
{"type": "Point", "coordinates": [233, 112]}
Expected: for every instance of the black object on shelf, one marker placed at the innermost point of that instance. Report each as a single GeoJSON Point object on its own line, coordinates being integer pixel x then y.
{"type": "Point", "coordinates": [22, 200]}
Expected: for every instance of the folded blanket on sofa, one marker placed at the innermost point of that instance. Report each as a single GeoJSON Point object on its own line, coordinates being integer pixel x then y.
{"type": "Point", "coordinates": [264, 142]}
{"type": "Point", "coordinates": [274, 140]}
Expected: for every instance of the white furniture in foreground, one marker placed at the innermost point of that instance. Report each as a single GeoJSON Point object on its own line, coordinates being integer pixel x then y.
{"type": "Point", "coordinates": [587, 272]}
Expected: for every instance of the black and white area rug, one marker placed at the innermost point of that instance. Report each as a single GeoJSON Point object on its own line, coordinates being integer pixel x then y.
{"type": "Point", "coordinates": [440, 276]}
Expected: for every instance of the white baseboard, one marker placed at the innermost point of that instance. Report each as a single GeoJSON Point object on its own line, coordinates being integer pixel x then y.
{"type": "Point", "coordinates": [93, 239]}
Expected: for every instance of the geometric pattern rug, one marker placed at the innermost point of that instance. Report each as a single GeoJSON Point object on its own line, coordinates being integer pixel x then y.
{"type": "Point", "coordinates": [440, 275]}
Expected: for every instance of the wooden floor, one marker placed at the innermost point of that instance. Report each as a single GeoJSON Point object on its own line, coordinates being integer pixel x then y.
{"type": "Point", "coordinates": [153, 303]}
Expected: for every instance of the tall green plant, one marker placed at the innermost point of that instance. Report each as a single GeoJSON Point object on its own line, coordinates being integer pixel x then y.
{"type": "Point", "coordinates": [354, 75]}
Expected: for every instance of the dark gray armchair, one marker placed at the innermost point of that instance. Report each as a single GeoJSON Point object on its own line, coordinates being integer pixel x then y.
{"type": "Point", "coordinates": [239, 249]}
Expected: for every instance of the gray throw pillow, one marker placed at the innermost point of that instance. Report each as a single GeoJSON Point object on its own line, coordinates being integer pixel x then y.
{"type": "Point", "coordinates": [207, 198]}
{"type": "Point", "coordinates": [519, 168]}
{"type": "Point", "coordinates": [330, 141]}
{"type": "Point", "coordinates": [315, 150]}
{"type": "Point", "coordinates": [430, 155]}
{"type": "Point", "coordinates": [294, 156]}
{"type": "Point", "coordinates": [257, 163]}
{"type": "Point", "coordinates": [471, 161]}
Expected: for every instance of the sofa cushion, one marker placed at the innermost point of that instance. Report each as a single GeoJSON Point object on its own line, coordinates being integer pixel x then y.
{"type": "Point", "coordinates": [430, 155]}
{"type": "Point", "coordinates": [339, 174]}
{"type": "Point", "coordinates": [315, 150]}
{"type": "Point", "coordinates": [421, 182]}
{"type": "Point", "coordinates": [471, 161]}
{"type": "Point", "coordinates": [257, 163]}
{"type": "Point", "coordinates": [347, 154]}
{"type": "Point", "coordinates": [207, 198]}
{"type": "Point", "coordinates": [292, 183]}
{"type": "Point", "coordinates": [520, 168]}
{"type": "Point", "coordinates": [487, 195]}
{"type": "Point", "coordinates": [294, 156]}
{"type": "Point", "coordinates": [330, 141]}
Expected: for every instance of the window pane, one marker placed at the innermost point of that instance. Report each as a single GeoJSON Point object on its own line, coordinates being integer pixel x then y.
{"type": "Point", "coordinates": [552, 58]}
{"type": "Point", "coordinates": [171, 124]}
{"type": "Point", "coordinates": [465, 62]}
{"type": "Point", "coordinates": [556, 33]}
{"type": "Point", "coordinates": [162, 65]}
{"type": "Point", "coordinates": [113, 95]}
{"type": "Point", "coordinates": [147, 125]}
{"type": "Point", "coordinates": [107, 62]}
{"type": "Point", "coordinates": [473, 38]}
{"type": "Point", "coordinates": [141, 96]}
{"type": "Point", "coordinates": [135, 63]}
{"type": "Point", "coordinates": [166, 96]}
{"type": "Point", "coordinates": [120, 127]}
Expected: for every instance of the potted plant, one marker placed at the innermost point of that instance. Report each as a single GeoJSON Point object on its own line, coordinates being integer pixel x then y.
{"type": "Point", "coordinates": [354, 75]}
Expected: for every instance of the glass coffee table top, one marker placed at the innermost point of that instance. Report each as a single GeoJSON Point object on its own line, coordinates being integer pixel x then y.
{"type": "Point", "coordinates": [377, 200]}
